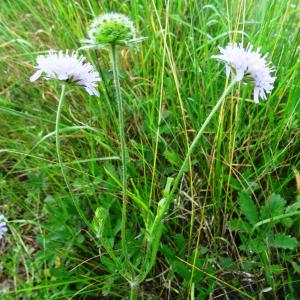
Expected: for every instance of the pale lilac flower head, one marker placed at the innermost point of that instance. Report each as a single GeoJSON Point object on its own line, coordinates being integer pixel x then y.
{"type": "Point", "coordinates": [246, 63]}
{"type": "Point", "coordinates": [3, 227]}
{"type": "Point", "coordinates": [69, 68]}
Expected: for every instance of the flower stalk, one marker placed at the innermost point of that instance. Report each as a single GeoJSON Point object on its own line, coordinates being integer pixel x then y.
{"type": "Point", "coordinates": [157, 226]}
{"type": "Point", "coordinates": [133, 290]}
{"type": "Point", "coordinates": [114, 63]}
{"type": "Point", "coordinates": [58, 152]}
{"type": "Point", "coordinates": [113, 31]}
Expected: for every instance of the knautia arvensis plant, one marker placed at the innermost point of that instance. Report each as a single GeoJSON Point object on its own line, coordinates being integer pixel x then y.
{"type": "Point", "coordinates": [68, 69]}
{"type": "Point", "coordinates": [114, 31]}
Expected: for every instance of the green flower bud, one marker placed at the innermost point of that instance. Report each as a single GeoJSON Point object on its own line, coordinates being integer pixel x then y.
{"type": "Point", "coordinates": [111, 29]}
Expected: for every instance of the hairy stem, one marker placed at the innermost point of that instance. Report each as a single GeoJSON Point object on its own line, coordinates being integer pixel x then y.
{"type": "Point", "coordinates": [196, 139]}
{"type": "Point", "coordinates": [133, 291]}
{"type": "Point", "coordinates": [156, 229]}
{"type": "Point", "coordinates": [114, 63]}
{"type": "Point", "coordinates": [60, 162]}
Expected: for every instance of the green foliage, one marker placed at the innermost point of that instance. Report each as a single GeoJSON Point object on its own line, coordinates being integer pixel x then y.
{"type": "Point", "coordinates": [267, 234]}
{"type": "Point", "coordinates": [282, 241]}
{"type": "Point", "coordinates": [169, 87]}
{"type": "Point", "coordinates": [257, 231]}
{"type": "Point", "coordinates": [275, 207]}
{"type": "Point", "coordinates": [248, 207]}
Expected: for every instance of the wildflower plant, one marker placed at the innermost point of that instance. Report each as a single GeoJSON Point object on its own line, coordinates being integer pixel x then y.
{"type": "Point", "coordinates": [114, 31]}
{"type": "Point", "coordinates": [248, 65]}
{"type": "Point", "coordinates": [67, 69]}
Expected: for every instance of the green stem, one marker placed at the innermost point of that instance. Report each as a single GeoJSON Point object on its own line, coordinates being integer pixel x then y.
{"type": "Point", "coordinates": [60, 162]}
{"type": "Point", "coordinates": [274, 219]}
{"type": "Point", "coordinates": [196, 139]}
{"type": "Point", "coordinates": [114, 63]}
{"type": "Point", "coordinates": [156, 230]}
{"type": "Point", "coordinates": [133, 291]}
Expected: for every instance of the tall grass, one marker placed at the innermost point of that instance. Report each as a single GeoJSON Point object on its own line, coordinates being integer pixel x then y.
{"type": "Point", "coordinates": [169, 88]}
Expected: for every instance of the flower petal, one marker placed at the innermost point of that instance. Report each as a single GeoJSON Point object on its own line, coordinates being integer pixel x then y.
{"type": "Point", "coordinates": [63, 76]}
{"type": "Point", "coordinates": [228, 69]}
{"type": "Point", "coordinates": [36, 75]}
{"type": "Point", "coordinates": [92, 91]}
{"type": "Point", "coordinates": [256, 94]}
{"type": "Point", "coordinates": [239, 74]}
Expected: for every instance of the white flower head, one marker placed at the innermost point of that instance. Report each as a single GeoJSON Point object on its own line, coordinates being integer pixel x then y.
{"type": "Point", "coordinates": [3, 227]}
{"type": "Point", "coordinates": [69, 68]}
{"type": "Point", "coordinates": [111, 28]}
{"type": "Point", "coordinates": [246, 63]}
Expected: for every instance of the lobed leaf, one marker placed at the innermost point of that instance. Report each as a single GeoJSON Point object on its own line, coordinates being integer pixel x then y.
{"type": "Point", "coordinates": [283, 241]}
{"type": "Point", "coordinates": [248, 207]}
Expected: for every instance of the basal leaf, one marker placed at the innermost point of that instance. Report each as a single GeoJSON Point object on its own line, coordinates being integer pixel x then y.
{"type": "Point", "coordinates": [256, 245]}
{"type": "Point", "coordinates": [240, 225]}
{"type": "Point", "coordinates": [275, 207]}
{"type": "Point", "coordinates": [248, 207]}
{"type": "Point", "coordinates": [283, 241]}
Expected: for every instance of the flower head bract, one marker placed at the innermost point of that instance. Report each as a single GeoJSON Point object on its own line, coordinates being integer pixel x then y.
{"type": "Point", "coordinates": [111, 29]}
{"type": "Point", "coordinates": [67, 67]}
{"type": "Point", "coordinates": [3, 227]}
{"type": "Point", "coordinates": [248, 64]}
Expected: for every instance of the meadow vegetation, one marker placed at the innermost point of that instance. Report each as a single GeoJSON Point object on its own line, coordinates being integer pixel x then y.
{"type": "Point", "coordinates": [232, 228]}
